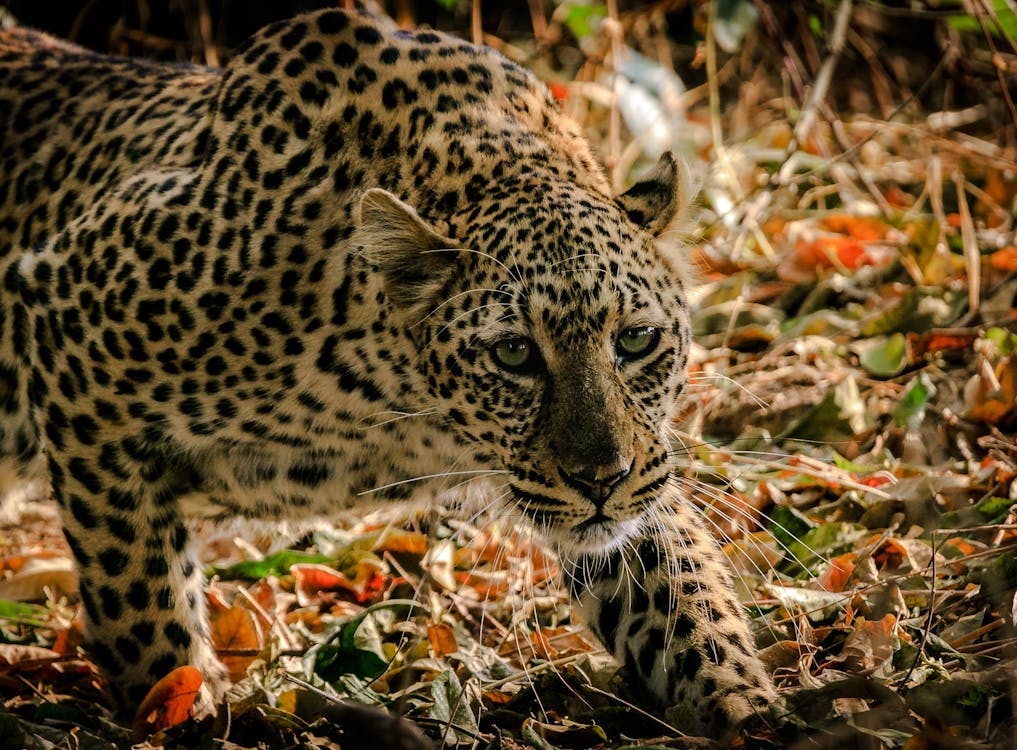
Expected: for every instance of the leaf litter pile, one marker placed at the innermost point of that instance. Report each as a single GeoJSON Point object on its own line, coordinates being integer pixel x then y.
{"type": "Point", "coordinates": [849, 435]}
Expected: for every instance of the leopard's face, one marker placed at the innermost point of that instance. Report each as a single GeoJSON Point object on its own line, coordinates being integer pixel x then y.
{"type": "Point", "coordinates": [568, 378]}
{"type": "Point", "coordinates": [556, 344]}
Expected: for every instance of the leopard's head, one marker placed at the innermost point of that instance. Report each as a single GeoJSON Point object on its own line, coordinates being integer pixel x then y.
{"type": "Point", "coordinates": [552, 333]}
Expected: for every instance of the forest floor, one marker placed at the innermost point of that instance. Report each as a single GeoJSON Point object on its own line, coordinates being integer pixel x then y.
{"type": "Point", "coordinates": [849, 436]}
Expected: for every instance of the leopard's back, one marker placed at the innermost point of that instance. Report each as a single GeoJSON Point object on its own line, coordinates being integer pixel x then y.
{"type": "Point", "coordinates": [73, 123]}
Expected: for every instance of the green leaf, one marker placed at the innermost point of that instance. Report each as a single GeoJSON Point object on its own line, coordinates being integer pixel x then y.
{"type": "Point", "coordinates": [1007, 25]}
{"type": "Point", "coordinates": [27, 614]}
{"type": "Point", "coordinates": [917, 311]}
{"type": "Point", "coordinates": [277, 564]}
{"type": "Point", "coordinates": [449, 5]}
{"type": "Point", "coordinates": [884, 357]}
{"type": "Point", "coordinates": [333, 660]}
{"type": "Point", "coordinates": [452, 707]}
{"type": "Point", "coordinates": [1005, 341]}
{"type": "Point", "coordinates": [579, 18]}
{"type": "Point", "coordinates": [356, 649]}
{"type": "Point", "coordinates": [994, 508]}
{"type": "Point", "coordinates": [788, 525]}
{"type": "Point", "coordinates": [839, 416]}
{"type": "Point", "coordinates": [911, 409]}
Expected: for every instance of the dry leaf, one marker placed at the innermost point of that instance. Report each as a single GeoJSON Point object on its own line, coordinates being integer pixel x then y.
{"type": "Point", "coordinates": [442, 639]}
{"type": "Point", "coordinates": [38, 574]}
{"type": "Point", "coordinates": [169, 702]}
{"type": "Point", "coordinates": [235, 629]}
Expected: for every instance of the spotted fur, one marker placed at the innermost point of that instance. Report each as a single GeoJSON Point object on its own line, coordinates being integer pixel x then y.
{"type": "Point", "coordinates": [355, 257]}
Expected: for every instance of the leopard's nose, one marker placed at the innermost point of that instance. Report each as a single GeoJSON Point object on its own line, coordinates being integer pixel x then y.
{"type": "Point", "coordinates": [597, 481]}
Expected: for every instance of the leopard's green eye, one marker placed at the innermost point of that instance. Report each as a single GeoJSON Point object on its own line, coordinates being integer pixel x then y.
{"type": "Point", "coordinates": [515, 354]}
{"type": "Point", "coordinates": [637, 342]}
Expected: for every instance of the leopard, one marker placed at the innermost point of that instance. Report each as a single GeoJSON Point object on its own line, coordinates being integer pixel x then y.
{"type": "Point", "coordinates": [356, 267]}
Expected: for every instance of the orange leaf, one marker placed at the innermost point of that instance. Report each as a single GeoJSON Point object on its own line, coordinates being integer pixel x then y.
{"type": "Point", "coordinates": [827, 252]}
{"type": "Point", "coordinates": [313, 580]}
{"type": "Point", "coordinates": [404, 542]}
{"type": "Point", "coordinates": [1000, 188]}
{"type": "Point", "coordinates": [898, 198]}
{"type": "Point", "coordinates": [920, 344]}
{"type": "Point", "coordinates": [1004, 260]}
{"type": "Point", "coordinates": [963, 546]}
{"type": "Point", "coordinates": [890, 555]}
{"type": "Point", "coordinates": [68, 639]}
{"type": "Point", "coordinates": [443, 640]}
{"type": "Point", "coordinates": [864, 228]}
{"type": "Point", "coordinates": [840, 570]}
{"type": "Point", "coordinates": [169, 702]}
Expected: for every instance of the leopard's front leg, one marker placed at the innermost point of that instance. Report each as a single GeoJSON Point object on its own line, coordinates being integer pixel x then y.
{"type": "Point", "coordinates": [140, 582]}
{"type": "Point", "coordinates": [664, 606]}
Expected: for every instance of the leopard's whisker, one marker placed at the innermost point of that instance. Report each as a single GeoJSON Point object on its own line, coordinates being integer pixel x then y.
{"type": "Point", "coordinates": [396, 416]}
{"type": "Point", "coordinates": [439, 475]}
{"type": "Point", "coordinates": [696, 376]}
{"type": "Point", "coordinates": [737, 511]}
{"type": "Point", "coordinates": [480, 253]}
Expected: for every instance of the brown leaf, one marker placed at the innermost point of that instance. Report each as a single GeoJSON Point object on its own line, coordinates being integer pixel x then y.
{"type": "Point", "coordinates": [442, 638]}
{"type": "Point", "coordinates": [12, 653]}
{"type": "Point", "coordinates": [869, 644]}
{"type": "Point", "coordinates": [235, 629]}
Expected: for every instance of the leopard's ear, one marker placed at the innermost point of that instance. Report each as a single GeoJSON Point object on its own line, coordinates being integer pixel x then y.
{"type": "Point", "coordinates": [655, 200]}
{"type": "Point", "coordinates": [413, 258]}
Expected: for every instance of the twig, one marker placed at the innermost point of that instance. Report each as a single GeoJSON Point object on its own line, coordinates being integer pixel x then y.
{"type": "Point", "coordinates": [476, 28]}
{"type": "Point", "coordinates": [928, 621]}
{"type": "Point", "coordinates": [205, 33]}
{"type": "Point", "coordinates": [821, 85]}
{"type": "Point", "coordinates": [614, 32]}
{"type": "Point", "coordinates": [538, 20]}
{"type": "Point", "coordinates": [997, 62]}
{"type": "Point", "coordinates": [822, 82]}
{"type": "Point", "coordinates": [972, 259]}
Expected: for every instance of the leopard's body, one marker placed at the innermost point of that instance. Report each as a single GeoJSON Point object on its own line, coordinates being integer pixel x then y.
{"type": "Point", "coordinates": [353, 258]}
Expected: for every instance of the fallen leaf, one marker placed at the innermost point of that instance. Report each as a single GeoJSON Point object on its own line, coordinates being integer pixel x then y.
{"type": "Point", "coordinates": [1004, 260]}
{"type": "Point", "coordinates": [169, 702]}
{"type": "Point", "coordinates": [837, 574]}
{"type": "Point", "coordinates": [38, 574]}
{"type": "Point", "coordinates": [13, 653]}
{"type": "Point", "coordinates": [869, 644]}
{"type": "Point", "coordinates": [442, 639]}
{"type": "Point", "coordinates": [863, 228]}
{"type": "Point", "coordinates": [235, 629]}
{"type": "Point", "coordinates": [832, 252]}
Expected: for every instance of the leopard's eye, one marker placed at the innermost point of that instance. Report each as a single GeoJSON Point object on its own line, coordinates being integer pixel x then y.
{"type": "Point", "coordinates": [517, 355]}
{"type": "Point", "coordinates": [637, 342]}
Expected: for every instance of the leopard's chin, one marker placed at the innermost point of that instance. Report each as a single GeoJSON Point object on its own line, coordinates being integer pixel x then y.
{"type": "Point", "coordinates": [596, 536]}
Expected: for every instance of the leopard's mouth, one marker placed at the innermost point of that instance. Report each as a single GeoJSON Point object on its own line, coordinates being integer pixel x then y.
{"type": "Point", "coordinates": [598, 519]}
{"type": "Point", "coordinates": [597, 533]}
